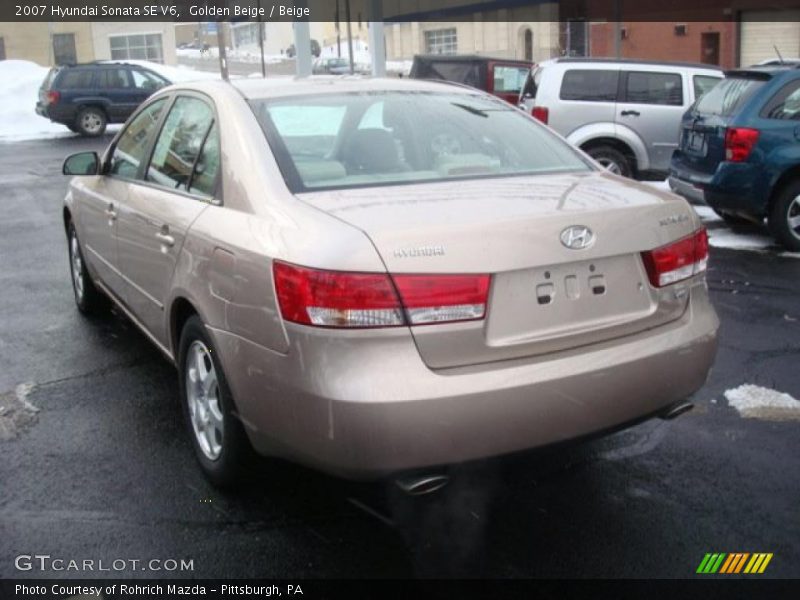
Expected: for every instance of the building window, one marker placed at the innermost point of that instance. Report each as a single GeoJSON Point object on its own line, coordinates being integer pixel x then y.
{"type": "Point", "coordinates": [145, 46]}
{"type": "Point", "coordinates": [245, 34]}
{"type": "Point", "coordinates": [577, 33]}
{"type": "Point", "coordinates": [441, 41]}
{"type": "Point", "coordinates": [64, 49]}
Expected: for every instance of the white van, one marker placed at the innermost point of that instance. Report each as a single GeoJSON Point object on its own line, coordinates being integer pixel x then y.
{"type": "Point", "coordinates": [626, 114]}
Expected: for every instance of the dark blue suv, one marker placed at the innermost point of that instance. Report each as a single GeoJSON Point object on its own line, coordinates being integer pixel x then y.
{"type": "Point", "coordinates": [87, 97]}
{"type": "Point", "coordinates": [739, 150]}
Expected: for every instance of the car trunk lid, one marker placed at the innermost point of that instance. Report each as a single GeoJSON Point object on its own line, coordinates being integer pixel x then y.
{"type": "Point", "coordinates": [544, 296]}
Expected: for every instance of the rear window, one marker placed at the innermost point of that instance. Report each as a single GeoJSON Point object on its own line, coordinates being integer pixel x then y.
{"type": "Point", "coordinates": [727, 96]}
{"type": "Point", "coordinates": [509, 79]}
{"type": "Point", "coordinates": [48, 80]}
{"type": "Point", "coordinates": [75, 79]}
{"type": "Point", "coordinates": [593, 85]}
{"type": "Point", "coordinates": [704, 84]}
{"type": "Point", "coordinates": [369, 139]}
{"type": "Point", "coordinates": [785, 104]}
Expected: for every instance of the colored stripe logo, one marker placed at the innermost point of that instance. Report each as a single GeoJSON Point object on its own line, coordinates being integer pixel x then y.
{"type": "Point", "coordinates": [735, 562]}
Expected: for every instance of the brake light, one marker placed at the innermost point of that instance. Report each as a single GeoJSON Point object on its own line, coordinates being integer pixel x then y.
{"type": "Point", "coordinates": [677, 261]}
{"type": "Point", "coordinates": [53, 97]}
{"type": "Point", "coordinates": [739, 143]}
{"type": "Point", "coordinates": [542, 113]}
{"type": "Point", "coordinates": [357, 300]}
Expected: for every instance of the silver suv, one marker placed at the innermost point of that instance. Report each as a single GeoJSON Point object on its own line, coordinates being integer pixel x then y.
{"type": "Point", "coordinates": [626, 114]}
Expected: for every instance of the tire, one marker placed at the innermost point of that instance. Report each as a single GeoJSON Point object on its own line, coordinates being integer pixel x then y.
{"type": "Point", "coordinates": [91, 122]}
{"type": "Point", "coordinates": [613, 159]}
{"type": "Point", "coordinates": [784, 217]}
{"type": "Point", "coordinates": [218, 437]}
{"type": "Point", "coordinates": [89, 300]}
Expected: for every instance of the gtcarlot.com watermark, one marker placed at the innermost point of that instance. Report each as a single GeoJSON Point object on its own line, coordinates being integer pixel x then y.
{"type": "Point", "coordinates": [48, 563]}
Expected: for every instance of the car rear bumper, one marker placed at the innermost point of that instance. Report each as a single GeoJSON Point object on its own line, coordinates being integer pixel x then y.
{"type": "Point", "coordinates": [363, 409]}
{"type": "Point", "coordinates": [692, 192]}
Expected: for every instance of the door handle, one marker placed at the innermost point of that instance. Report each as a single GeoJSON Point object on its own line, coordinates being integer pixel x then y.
{"type": "Point", "coordinates": [111, 212]}
{"type": "Point", "coordinates": [631, 113]}
{"type": "Point", "coordinates": [165, 239]}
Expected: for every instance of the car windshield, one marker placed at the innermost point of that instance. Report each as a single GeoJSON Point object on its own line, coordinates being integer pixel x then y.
{"type": "Point", "coordinates": [727, 96]}
{"type": "Point", "coordinates": [382, 138]}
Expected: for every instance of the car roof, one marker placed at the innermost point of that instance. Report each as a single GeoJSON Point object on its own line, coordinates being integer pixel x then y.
{"type": "Point", "coordinates": [634, 61]}
{"type": "Point", "coordinates": [324, 84]}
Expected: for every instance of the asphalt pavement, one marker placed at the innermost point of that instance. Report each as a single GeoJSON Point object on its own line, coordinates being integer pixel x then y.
{"type": "Point", "coordinates": [101, 468]}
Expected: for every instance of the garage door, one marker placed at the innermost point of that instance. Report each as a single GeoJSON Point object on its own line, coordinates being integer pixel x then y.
{"type": "Point", "coordinates": [761, 30]}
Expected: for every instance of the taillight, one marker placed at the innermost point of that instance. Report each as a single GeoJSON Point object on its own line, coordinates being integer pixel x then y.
{"type": "Point", "coordinates": [541, 113]}
{"type": "Point", "coordinates": [677, 261]}
{"type": "Point", "coordinates": [53, 97]}
{"type": "Point", "coordinates": [441, 298]}
{"type": "Point", "coordinates": [344, 299]}
{"type": "Point", "coordinates": [739, 143]}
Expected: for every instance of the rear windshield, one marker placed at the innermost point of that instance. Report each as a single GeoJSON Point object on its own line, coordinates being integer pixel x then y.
{"type": "Point", "coordinates": [368, 139]}
{"type": "Point", "coordinates": [727, 96]}
{"type": "Point", "coordinates": [48, 80]}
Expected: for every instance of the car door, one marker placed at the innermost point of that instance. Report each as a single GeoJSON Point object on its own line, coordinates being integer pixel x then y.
{"type": "Point", "coordinates": [178, 184]}
{"type": "Point", "coordinates": [102, 196]}
{"type": "Point", "coordinates": [116, 86]}
{"type": "Point", "coordinates": [652, 104]}
{"type": "Point", "coordinates": [586, 96]}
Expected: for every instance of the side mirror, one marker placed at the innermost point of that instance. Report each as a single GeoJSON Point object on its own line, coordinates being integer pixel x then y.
{"type": "Point", "coordinates": [82, 163]}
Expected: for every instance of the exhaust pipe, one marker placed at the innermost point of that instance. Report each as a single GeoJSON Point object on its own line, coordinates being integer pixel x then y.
{"type": "Point", "coordinates": [676, 410]}
{"type": "Point", "coordinates": [421, 485]}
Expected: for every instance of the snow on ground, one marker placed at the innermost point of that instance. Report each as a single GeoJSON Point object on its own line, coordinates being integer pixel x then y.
{"type": "Point", "coordinates": [234, 54]}
{"type": "Point", "coordinates": [19, 91]}
{"type": "Point", "coordinates": [753, 401]}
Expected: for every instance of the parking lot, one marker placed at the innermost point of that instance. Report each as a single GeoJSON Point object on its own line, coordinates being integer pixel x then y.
{"type": "Point", "coordinates": [101, 467]}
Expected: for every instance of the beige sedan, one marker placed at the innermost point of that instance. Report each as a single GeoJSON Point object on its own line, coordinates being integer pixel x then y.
{"type": "Point", "coordinates": [376, 277]}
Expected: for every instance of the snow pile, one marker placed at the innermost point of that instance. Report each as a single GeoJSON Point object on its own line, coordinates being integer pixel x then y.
{"type": "Point", "coordinates": [19, 91]}
{"type": "Point", "coordinates": [753, 401]}
{"type": "Point", "coordinates": [234, 54]}
{"type": "Point", "coordinates": [361, 57]}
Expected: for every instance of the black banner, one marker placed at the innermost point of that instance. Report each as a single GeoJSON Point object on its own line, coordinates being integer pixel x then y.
{"type": "Point", "coordinates": [396, 10]}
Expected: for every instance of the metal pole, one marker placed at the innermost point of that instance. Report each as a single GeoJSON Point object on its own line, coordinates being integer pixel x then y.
{"type": "Point", "coordinates": [338, 32]}
{"type": "Point", "coordinates": [223, 55]}
{"type": "Point", "coordinates": [349, 36]}
{"type": "Point", "coordinates": [302, 46]}
{"type": "Point", "coordinates": [261, 43]}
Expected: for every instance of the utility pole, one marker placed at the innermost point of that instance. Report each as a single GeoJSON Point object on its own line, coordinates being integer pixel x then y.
{"type": "Point", "coordinates": [261, 43]}
{"type": "Point", "coordinates": [223, 55]}
{"type": "Point", "coordinates": [349, 36]}
{"type": "Point", "coordinates": [338, 31]}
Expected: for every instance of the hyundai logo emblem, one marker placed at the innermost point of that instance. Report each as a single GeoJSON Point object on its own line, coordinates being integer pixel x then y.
{"type": "Point", "coordinates": [577, 237]}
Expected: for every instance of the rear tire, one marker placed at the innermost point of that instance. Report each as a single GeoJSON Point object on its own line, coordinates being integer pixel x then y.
{"type": "Point", "coordinates": [611, 159]}
{"type": "Point", "coordinates": [91, 122]}
{"type": "Point", "coordinates": [784, 217]}
{"type": "Point", "coordinates": [218, 437]}
{"type": "Point", "coordinates": [89, 300]}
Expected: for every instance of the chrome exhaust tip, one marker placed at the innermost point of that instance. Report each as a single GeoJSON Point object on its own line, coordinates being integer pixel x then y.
{"type": "Point", "coordinates": [421, 485]}
{"type": "Point", "coordinates": [676, 410]}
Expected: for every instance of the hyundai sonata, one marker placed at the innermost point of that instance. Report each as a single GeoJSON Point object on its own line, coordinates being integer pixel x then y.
{"type": "Point", "coordinates": [378, 276]}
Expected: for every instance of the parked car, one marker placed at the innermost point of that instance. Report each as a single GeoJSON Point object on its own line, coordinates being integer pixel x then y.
{"type": "Point", "coordinates": [740, 150]}
{"type": "Point", "coordinates": [625, 114]}
{"type": "Point", "coordinates": [331, 66]}
{"type": "Point", "coordinates": [87, 97]}
{"type": "Point", "coordinates": [315, 49]}
{"type": "Point", "coordinates": [500, 77]}
{"type": "Point", "coordinates": [411, 274]}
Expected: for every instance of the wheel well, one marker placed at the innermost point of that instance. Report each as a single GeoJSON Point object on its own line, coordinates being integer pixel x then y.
{"type": "Point", "coordinates": [67, 219]}
{"type": "Point", "coordinates": [182, 309]}
{"type": "Point", "coordinates": [617, 145]}
{"type": "Point", "coordinates": [99, 107]}
{"type": "Point", "coordinates": [785, 179]}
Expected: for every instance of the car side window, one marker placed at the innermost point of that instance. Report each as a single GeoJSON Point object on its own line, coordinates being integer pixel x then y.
{"type": "Point", "coordinates": [180, 145]}
{"type": "Point", "coordinates": [784, 105]}
{"type": "Point", "coordinates": [703, 84]}
{"type": "Point", "coordinates": [130, 150]}
{"type": "Point", "coordinates": [76, 79]}
{"type": "Point", "coordinates": [590, 85]}
{"type": "Point", "coordinates": [654, 88]}
{"type": "Point", "coordinates": [113, 79]}
{"type": "Point", "coordinates": [145, 81]}
{"type": "Point", "coordinates": [204, 179]}
{"type": "Point", "coordinates": [509, 79]}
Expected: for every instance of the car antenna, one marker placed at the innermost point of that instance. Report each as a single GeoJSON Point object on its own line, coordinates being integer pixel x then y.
{"type": "Point", "coordinates": [778, 52]}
